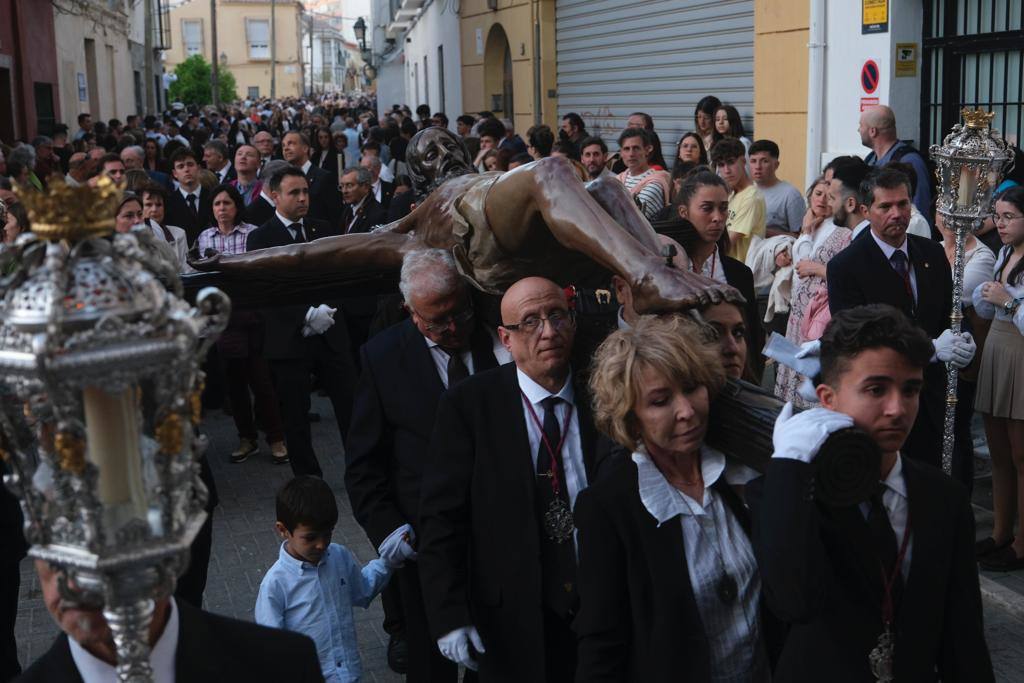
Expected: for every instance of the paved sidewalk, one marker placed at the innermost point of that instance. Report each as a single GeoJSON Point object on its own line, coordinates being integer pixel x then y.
{"type": "Point", "coordinates": [245, 546]}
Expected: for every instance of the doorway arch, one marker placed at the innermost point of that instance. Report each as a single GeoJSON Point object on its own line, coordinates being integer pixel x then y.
{"type": "Point", "coordinates": [498, 81]}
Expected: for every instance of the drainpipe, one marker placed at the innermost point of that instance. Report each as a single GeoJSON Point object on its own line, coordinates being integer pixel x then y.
{"type": "Point", "coordinates": [815, 90]}
{"type": "Point", "coordinates": [538, 105]}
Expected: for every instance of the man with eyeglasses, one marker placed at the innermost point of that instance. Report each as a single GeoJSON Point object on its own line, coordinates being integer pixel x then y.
{"type": "Point", "coordinates": [511, 449]}
{"type": "Point", "coordinates": [405, 370]}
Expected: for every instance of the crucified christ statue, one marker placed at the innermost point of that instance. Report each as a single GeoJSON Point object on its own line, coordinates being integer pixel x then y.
{"type": "Point", "coordinates": [539, 219]}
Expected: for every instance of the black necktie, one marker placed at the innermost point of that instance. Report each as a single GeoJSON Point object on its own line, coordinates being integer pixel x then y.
{"type": "Point", "coordinates": [457, 370]}
{"type": "Point", "coordinates": [191, 199]}
{"type": "Point", "coordinates": [296, 229]}
{"type": "Point", "coordinates": [882, 533]}
{"type": "Point", "coordinates": [552, 436]}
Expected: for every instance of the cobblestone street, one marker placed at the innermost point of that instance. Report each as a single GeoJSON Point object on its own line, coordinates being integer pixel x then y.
{"type": "Point", "coordinates": [245, 546]}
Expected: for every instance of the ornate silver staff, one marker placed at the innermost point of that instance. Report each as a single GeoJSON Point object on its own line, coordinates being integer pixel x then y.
{"type": "Point", "coordinates": [969, 167]}
{"type": "Point", "coordinates": [99, 399]}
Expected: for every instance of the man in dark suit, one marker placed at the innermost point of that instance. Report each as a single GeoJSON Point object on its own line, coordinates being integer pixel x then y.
{"type": "Point", "coordinates": [362, 211]}
{"type": "Point", "coordinates": [405, 369]}
{"type": "Point", "coordinates": [190, 207]}
{"type": "Point", "coordinates": [301, 341]}
{"type": "Point", "coordinates": [911, 274]}
{"type": "Point", "coordinates": [217, 159]}
{"type": "Point", "coordinates": [381, 190]}
{"type": "Point", "coordinates": [889, 585]}
{"type": "Point", "coordinates": [324, 199]}
{"type": "Point", "coordinates": [188, 645]}
{"type": "Point", "coordinates": [261, 209]}
{"type": "Point", "coordinates": [496, 550]}
{"type": "Point", "coordinates": [12, 548]}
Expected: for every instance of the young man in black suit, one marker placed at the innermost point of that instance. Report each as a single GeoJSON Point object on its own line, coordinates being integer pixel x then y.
{"type": "Point", "coordinates": [324, 199]}
{"type": "Point", "coordinates": [188, 645]}
{"type": "Point", "coordinates": [405, 370]}
{"type": "Point", "coordinates": [190, 207]}
{"type": "Point", "coordinates": [910, 273]}
{"type": "Point", "coordinates": [497, 552]}
{"type": "Point", "coordinates": [888, 586]}
{"type": "Point", "coordinates": [301, 341]}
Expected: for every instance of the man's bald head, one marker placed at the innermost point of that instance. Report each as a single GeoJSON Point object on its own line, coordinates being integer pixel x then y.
{"type": "Point", "coordinates": [877, 125]}
{"type": "Point", "coordinates": [538, 330]}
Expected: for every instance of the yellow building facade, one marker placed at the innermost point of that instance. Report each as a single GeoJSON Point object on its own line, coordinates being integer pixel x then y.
{"type": "Point", "coordinates": [780, 82]}
{"type": "Point", "coordinates": [506, 44]}
{"type": "Point", "coordinates": [243, 42]}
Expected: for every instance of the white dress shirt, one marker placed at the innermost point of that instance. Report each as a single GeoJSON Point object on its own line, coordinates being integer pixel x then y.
{"type": "Point", "coordinates": [222, 173]}
{"type": "Point", "coordinates": [859, 228]}
{"type": "Point", "coordinates": [355, 213]}
{"type": "Point", "coordinates": [306, 166]}
{"type": "Point", "coordinates": [889, 250]}
{"type": "Point", "coordinates": [287, 223]}
{"type": "Point", "coordinates": [712, 268]}
{"type": "Point", "coordinates": [440, 358]}
{"type": "Point", "coordinates": [376, 187]}
{"type": "Point", "coordinates": [161, 657]}
{"type": "Point", "coordinates": [194, 193]}
{"type": "Point", "coordinates": [572, 449]}
{"type": "Point", "coordinates": [897, 507]}
{"type": "Point", "coordinates": [712, 538]}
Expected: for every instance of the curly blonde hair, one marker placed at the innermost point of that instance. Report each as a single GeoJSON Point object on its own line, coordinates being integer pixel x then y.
{"type": "Point", "coordinates": [675, 346]}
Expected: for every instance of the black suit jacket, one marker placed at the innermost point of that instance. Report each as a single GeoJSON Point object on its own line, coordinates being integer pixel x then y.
{"type": "Point", "coordinates": [740, 276]}
{"type": "Point", "coordinates": [820, 573]}
{"type": "Point", "coordinates": [177, 213]}
{"type": "Point", "coordinates": [860, 274]}
{"type": "Point", "coordinates": [211, 649]}
{"type": "Point", "coordinates": [638, 618]}
{"type": "Point", "coordinates": [392, 420]}
{"type": "Point", "coordinates": [259, 212]}
{"type": "Point", "coordinates": [371, 213]}
{"type": "Point", "coordinates": [401, 206]}
{"type": "Point", "coordinates": [283, 330]}
{"type": "Point", "coordinates": [387, 191]}
{"type": "Point", "coordinates": [479, 551]}
{"type": "Point", "coordinates": [324, 197]}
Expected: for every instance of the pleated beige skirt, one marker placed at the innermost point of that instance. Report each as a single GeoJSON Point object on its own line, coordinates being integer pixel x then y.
{"type": "Point", "coordinates": [1001, 373]}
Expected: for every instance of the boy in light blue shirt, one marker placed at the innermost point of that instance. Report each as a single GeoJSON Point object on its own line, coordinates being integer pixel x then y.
{"type": "Point", "coordinates": [314, 583]}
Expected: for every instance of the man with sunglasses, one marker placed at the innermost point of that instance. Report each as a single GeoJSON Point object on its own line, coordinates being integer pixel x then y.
{"type": "Point", "coordinates": [511, 449]}
{"type": "Point", "coordinates": [405, 370]}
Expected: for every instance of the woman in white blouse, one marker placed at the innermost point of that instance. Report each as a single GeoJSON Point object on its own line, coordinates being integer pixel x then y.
{"type": "Point", "coordinates": [1000, 394]}
{"type": "Point", "coordinates": [820, 239]}
{"type": "Point", "coordinates": [668, 583]}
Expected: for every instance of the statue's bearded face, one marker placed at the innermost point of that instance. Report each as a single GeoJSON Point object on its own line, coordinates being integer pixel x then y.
{"type": "Point", "coordinates": [434, 155]}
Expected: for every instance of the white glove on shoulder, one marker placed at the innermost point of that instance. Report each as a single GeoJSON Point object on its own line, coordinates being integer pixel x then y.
{"type": "Point", "coordinates": [319, 319]}
{"type": "Point", "coordinates": [455, 646]}
{"type": "Point", "coordinates": [397, 547]}
{"type": "Point", "coordinates": [799, 437]}
{"type": "Point", "coordinates": [811, 349]}
{"type": "Point", "coordinates": [958, 349]}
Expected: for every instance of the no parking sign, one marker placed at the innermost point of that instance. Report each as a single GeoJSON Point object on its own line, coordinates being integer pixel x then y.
{"type": "Point", "coordinates": [869, 76]}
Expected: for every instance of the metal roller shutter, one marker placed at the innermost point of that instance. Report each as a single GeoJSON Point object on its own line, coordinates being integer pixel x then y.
{"type": "Point", "coordinates": [660, 57]}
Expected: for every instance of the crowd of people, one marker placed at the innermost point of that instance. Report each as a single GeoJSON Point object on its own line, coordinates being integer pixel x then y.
{"type": "Point", "coordinates": [539, 486]}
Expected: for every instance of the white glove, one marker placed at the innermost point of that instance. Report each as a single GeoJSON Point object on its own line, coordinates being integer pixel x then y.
{"type": "Point", "coordinates": [799, 437]}
{"type": "Point", "coordinates": [811, 349]}
{"type": "Point", "coordinates": [397, 548]}
{"type": "Point", "coordinates": [319, 319]}
{"type": "Point", "coordinates": [957, 349]}
{"type": "Point", "coordinates": [455, 646]}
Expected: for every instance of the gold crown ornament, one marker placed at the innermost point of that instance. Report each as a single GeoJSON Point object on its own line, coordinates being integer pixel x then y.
{"type": "Point", "coordinates": [73, 213]}
{"type": "Point", "coordinates": [978, 118]}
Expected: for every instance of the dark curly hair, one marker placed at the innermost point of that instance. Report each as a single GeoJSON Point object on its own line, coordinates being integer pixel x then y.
{"type": "Point", "coordinates": [872, 326]}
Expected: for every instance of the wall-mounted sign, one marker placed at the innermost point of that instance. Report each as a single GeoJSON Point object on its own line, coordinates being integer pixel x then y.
{"type": "Point", "coordinates": [82, 93]}
{"type": "Point", "coordinates": [869, 76]}
{"type": "Point", "coordinates": [868, 102]}
{"type": "Point", "coordinates": [906, 59]}
{"type": "Point", "coordinates": [874, 16]}
{"type": "Point", "coordinates": [479, 41]}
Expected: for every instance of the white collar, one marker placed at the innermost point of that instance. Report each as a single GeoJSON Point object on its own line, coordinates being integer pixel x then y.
{"type": "Point", "coordinates": [305, 166]}
{"type": "Point", "coordinates": [287, 222]}
{"type": "Point", "coordinates": [222, 172]}
{"type": "Point", "coordinates": [535, 393]}
{"type": "Point", "coordinates": [270, 200]}
{"type": "Point", "coordinates": [185, 193]}
{"type": "Point", "coordinates": [161, 657]}
{"type": "Point", "coordinates": [356, 207]}
{"type": "Point", "coordinates": [621, 322]}
{"type": "Point", "coordinates": [888, 249]}
{"type": "Point", "coordinates": [659, 497]}
{"type": "Point", "coordinates": [895, 481]}
{"type": "Point", "coordinates": [860, 227]}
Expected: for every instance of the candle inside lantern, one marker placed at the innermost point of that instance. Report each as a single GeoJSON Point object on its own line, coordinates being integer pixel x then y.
{"type": "Point", "coordinates": [966, 187]}
{"type": "Point", "coordinates": [112, 435]}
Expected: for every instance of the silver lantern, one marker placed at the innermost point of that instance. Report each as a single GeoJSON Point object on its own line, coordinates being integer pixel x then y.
{"type": "Point", "coordinates": [969, 166]}
{"type": "Point", "coordinates": [99, 403]}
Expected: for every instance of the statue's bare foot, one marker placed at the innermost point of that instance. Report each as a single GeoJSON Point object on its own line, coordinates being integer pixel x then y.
{"type": "Point", "coordinates": [665, 290]}
{"type": "Point", "coordinates": [204, 264]}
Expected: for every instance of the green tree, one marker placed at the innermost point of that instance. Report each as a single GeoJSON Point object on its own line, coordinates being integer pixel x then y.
{"type": "Point", "coordinates": [193, 84]}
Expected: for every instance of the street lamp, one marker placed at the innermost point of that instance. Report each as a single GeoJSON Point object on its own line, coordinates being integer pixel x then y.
{"type": "Point", "coordinates": [223, 58]}
{"type": "Point", "coordinates": [359, 28]}
{"type": "Point", "coordinates": [969, 165]}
